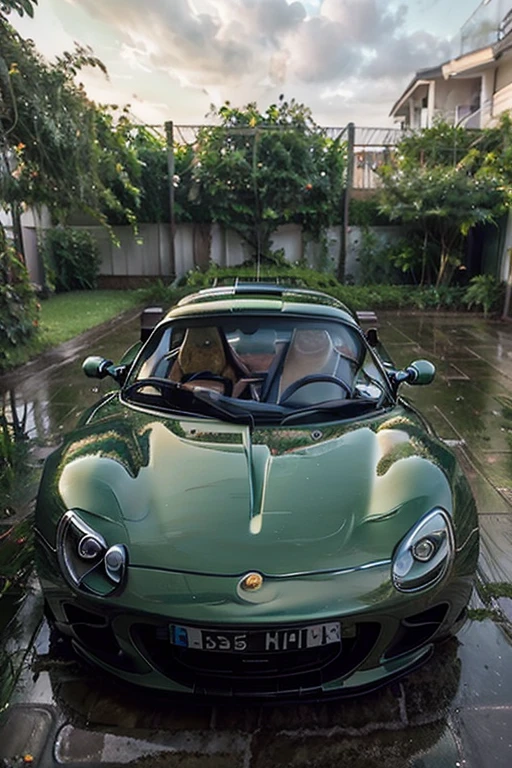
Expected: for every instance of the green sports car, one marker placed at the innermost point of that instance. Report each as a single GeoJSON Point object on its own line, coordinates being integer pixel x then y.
{"type": "Point", "coordinates": [255, 511]}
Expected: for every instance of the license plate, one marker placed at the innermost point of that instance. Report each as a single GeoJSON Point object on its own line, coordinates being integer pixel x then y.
{"type": "Point", "coordinates": [259, 641]}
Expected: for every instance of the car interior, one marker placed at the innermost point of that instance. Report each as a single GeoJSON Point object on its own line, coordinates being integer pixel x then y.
{"type": "Point", "coordinates": [291, 364]}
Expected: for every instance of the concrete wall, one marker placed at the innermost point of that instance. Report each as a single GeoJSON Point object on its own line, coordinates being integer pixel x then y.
{"type": "Point", "coordinates": [324, 258]}
{"type": "Point", "coordinates": [453, 93]}
{"type": "Point", "coordinates": [504, 73]}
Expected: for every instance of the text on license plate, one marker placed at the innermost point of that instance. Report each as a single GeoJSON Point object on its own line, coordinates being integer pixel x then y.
{"type": "Point", "coordinates": [258, 641]}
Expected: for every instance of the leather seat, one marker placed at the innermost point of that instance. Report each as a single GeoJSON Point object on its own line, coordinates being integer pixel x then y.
{"type": "Point", "coordinates": [310, 353]}
{"type": "Point", "coordinates": [205, 350]}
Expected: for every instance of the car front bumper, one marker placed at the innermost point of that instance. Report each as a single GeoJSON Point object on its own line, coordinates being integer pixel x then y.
{"type": "Point", "coordinates": [384, 634]}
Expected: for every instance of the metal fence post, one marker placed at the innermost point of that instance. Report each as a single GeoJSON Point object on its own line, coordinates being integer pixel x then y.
{"type": "Point", "coordinates": [351, 133]}
{"type": "Point", "coordinates": [169, 132]}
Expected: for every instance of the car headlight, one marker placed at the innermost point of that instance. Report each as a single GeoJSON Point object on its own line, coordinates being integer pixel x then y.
{"type": "Point", "coordinates": [424, 556]}
{"type": "Point", "coordinates": [86, 559]}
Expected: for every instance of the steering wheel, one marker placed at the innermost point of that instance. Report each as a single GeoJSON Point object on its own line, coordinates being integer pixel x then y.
{"type": "Point", "coordinates": [311, 379]}
{"type": "Point", "coordinates": [209, 376]}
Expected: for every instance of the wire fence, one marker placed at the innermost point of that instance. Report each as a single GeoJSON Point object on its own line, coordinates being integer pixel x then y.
{"type": "Point", "coordinates": [372, 147]}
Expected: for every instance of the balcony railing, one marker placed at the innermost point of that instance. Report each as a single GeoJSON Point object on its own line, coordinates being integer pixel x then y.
{"type": "Point", "coordinates": [486, 26]}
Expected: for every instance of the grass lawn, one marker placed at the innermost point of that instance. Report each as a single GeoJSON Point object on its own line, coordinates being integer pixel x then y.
{"type": "Point", "coordinates": [68, 314]}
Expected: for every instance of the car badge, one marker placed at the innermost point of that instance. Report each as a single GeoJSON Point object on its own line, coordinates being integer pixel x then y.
{"type": "Point", "coordinates": [251, 582]}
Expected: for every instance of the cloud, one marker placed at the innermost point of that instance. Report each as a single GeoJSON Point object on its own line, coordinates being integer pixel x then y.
{"type": "Point", "coordinates": [412, 52]}
{"type": "Point", "coordinates": [366, 22]}
{"type": "Point", "coordinates": [216, 42]}
{"type": "Point", "coordinates": [226, 48]}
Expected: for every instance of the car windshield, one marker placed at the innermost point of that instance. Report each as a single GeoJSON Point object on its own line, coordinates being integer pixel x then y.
{"type": "Point", "coordinates": [258, 369]}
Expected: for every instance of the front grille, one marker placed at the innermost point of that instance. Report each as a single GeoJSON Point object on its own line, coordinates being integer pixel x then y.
{"type": "Point", "coordinates": [417, 630]}
{"type": "Point", "coordinates": [299, 671]}
{"type": "Point", "coordinates": [94, 633]}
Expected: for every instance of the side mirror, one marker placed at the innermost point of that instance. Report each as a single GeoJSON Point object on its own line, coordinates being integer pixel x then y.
{"type": "Point", "coordinates": [97, 367]}
{"type": "Point", "coordinates": [419, 373]}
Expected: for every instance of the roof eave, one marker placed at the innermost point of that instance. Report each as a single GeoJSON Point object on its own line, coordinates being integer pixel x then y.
{"type": "Point", "coordinates": [422, 77]}
{"type": "Point", "coordinates": [473, 61]}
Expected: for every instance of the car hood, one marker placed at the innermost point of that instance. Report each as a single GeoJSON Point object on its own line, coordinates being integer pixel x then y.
{"type": "Point", "coordinates": [211, 497]}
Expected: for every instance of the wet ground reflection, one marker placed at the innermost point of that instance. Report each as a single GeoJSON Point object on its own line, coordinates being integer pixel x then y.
{"type": "Point", "coordinates": [456, 709]}
{"type": "Point", "coordinates": [394, 726]}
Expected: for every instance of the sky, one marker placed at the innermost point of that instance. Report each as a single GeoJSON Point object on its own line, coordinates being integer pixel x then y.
{"type": "Point", "coordinates": [348, 60]}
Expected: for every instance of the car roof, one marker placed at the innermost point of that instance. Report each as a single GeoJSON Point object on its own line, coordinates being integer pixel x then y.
{"type": "Point", "coordinates": [262, 297]}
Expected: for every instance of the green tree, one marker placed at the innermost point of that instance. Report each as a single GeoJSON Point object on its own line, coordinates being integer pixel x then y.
{"type": "Point", "coordinates": [151, 149]}
{"type": "Point", "coordinates": [257, 170]}
{"type": "Point", "coordinates": [58, 148]}
{"type": "Point", "coordinates": [20, 6]}
{"type": "Point", "coordinates": [435, 184]}
{"type": "Point", "coordinates": [441, 145]}
{"type": "Point", "coordinates": [490, 154]}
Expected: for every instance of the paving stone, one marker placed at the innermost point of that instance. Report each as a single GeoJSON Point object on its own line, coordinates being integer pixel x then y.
{"type": "Point", "coordinates": [487, 734]}
{"type": "Point", "coordinates": [382, 706]}
{"type": "Point", "coordinates": [379, 749]}
{"type": "Point", "coordinates": [100, 703]}
{"type": "Point", "coordinates": [25, 731]}
{"type": "Point", "coordinates": [430, 690]}
{"type": "Point", "coordinates": [186, 749]}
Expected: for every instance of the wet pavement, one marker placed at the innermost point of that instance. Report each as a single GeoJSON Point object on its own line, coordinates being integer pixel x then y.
{"type": "Point", "coordinates": [454, 711]}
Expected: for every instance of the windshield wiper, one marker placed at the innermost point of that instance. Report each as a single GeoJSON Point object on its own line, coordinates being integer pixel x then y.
{"type": "Point", "coordinates": [334, 406]}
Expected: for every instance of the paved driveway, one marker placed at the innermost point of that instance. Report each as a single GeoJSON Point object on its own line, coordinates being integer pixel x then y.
{"type": "Point", "coordinates": [456, 710]}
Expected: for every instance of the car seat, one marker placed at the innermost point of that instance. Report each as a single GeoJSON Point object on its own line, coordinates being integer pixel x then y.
{"type": "Point", "coordinates": [206, 360]}
{"type": "Point", "coordinates": [310, 357]}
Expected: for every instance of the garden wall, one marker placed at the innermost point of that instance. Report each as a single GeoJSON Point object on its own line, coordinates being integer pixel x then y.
{"type": "Point", "coordinates": [151, 257]}
{"type": "Point", "coordinates": [195, 245]}
{"type": "Point", "coordinates": [137, 260]}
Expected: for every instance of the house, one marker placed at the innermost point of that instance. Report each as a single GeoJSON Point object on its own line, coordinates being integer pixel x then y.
{"type": "Point", "coordinates": [471, 90]}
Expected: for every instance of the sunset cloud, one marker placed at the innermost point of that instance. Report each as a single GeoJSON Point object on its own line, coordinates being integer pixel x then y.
{"type": "Point", "coordinates": [335, 52]}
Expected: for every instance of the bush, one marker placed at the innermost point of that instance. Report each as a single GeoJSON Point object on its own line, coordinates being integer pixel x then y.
{"type": "Point", "coordinates": [162, 293]}
{"type": "Point", "coordinates": [484, 291]}
{"type": "Point", "coordinates": [358, 297]}
{"type": "Point", "coordinates": [18, 304]}
{"type": "Point", "coordinates": [377, 259]}
{"type": "Point", "coordinates": [71, 258]}
{"type": "Point", "coordinates": [366, 213]}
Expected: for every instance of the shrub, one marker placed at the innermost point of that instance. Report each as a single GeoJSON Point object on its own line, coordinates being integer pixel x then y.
{"type": "Point", "coordinates": [72, 259]}
{"type": "Point", "coordinates": [484, 291]}
{"type": "Point", "coordinates": [13, 458]}
{"type": "Point", "coordinates": [357, 297]}
{"type": "Point", "coordinates": [377, 259]}
{"type": "Point", "coordinates": [162, 293]}
{"type": "Point", "coordinates": [18, 305]}
{"type": "Point", "coordinates": [366, 213]}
